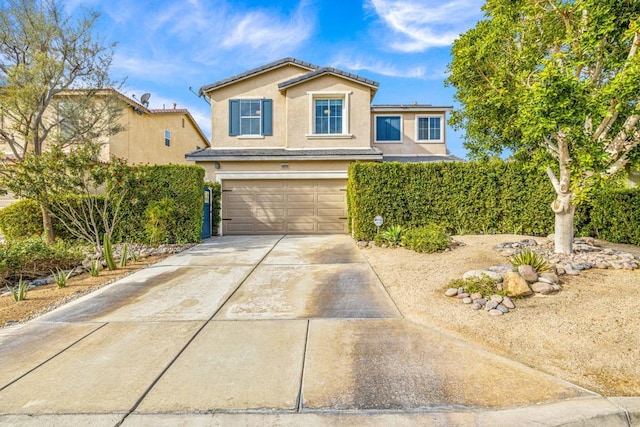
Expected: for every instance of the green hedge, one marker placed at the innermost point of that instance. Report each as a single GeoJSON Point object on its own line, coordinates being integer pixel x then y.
{"type": "Point", "coordinates": [180, 183]}
{"type": "Point", "coordinates": [614, 216]}
{"type": "Point", "coordinates": [183, 184]}
{"type": "Point", "coordinates": [465, 198]}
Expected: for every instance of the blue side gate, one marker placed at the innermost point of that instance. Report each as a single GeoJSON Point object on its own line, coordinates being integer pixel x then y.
{"type": "Point", "coordinates": [206, 214]}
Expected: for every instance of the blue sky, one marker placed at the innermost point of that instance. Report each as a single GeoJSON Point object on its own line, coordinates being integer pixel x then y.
{"type": "Point", "coordinates": [166, 46]}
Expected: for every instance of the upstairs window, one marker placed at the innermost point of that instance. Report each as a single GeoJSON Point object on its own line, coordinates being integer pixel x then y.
{"type": "Point", "coordinates": [388, 129]}
{"type": "Point", "coordinates": [429, 129]}
{"type": "Point", "coordinates": [250, 117]}
{"type": "Point", "coordinates": [167, 138]}
{"type": "Point", "coordinates": [328, 116]}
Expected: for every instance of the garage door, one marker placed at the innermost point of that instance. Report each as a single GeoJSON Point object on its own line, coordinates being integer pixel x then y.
{"type": "Point", "coordinates": [284, 206]}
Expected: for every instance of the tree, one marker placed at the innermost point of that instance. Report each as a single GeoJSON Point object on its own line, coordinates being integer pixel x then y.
{"type": "Point", "coordinates": [559, 77]}
{"type": "Point", "coordinates": [53, 72]}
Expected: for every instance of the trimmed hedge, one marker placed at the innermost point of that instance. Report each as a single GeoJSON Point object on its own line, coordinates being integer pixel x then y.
{"type": "Point", "coordinates": [465, 198]}
{"type": "Point", "coordinates": [180, 183]}
{"type": "Point", "coordinates": [614, 216]}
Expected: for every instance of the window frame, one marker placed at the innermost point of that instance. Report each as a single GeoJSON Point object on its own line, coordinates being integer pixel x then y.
{"type": "Point", "coordinates": [167, 138]}
{"type": "Point", "coordinates": [329, 95]}
{"type": "Point", "coordinates": [375, 129]}
{"type": "Point", "coordinates": [265, 117]}
{"type": "Point", "coordinates": [428, 140]}
{"type": "Point", "coordinates": [250, 117]}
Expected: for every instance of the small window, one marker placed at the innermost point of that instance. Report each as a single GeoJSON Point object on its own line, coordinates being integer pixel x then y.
{"type": "Point", "coordinates": [328, 116]}
{"type": "Point", "coordinates": [429, 128]}
{"type": "Point", "coordinates": [250, 117]}
{"type": "Point", "coordinates": [167, 138]}
{"type": "Point", "coordinates": [388, 128]}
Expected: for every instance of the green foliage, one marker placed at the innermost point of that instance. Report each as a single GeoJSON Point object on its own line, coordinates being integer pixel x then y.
{"type": "Point", "coordinates": [527, 257]}
{"type": "Point", "coordinates": [107, 252]}
{"type": "Point", "coordinates": [94, 269]}
{"type": "Point", "coordinates": [61, 278]}
{"type": "Point", "coordinates": [484, 285]}
{"type": "Point", "coordinates": [180, 183]}
{"type": "Point", "coordinates": [33, 257]}
{"type": "Point", "coordinates": [430, 238]}
{"type": "Point", "coordinates": [614, 216]}
{"type": "Point", "coordinates": [159, 218]}
{"type": "Point", "coordinates": [19, 293]}
{"type": "Point", "coordinates": [21, 219]}
{"type": "Point", "coordinates": [124, 255]}
{"type": "Point", "coordinates": [474, 197]}
{"type": "Point", "coordinates": [392, 236]}
{"type": "Point", "coordinates": [216, 199]}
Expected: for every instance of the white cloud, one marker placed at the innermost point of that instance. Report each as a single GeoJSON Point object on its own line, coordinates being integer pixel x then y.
{"type": "Point", "coordinates": [381, 67]}
{"type": "Point", "coordinates": [268, 33]}
{"type": "Point", "coordinates": [421, 25]}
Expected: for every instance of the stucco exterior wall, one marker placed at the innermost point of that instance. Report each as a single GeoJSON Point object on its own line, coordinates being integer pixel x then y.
{"type": "Point", "coordinates": [283, 168]}
{"type": "Point", "coordinates": [257, 87]}
{"type": "Point", "coordinates": [409, 145]}
{"type": "Point", "coordinates": [300, 114]}
{"type": "Point", "coordinates": [142, 141]}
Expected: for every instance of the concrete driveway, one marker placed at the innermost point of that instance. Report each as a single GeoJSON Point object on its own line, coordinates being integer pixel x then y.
{"type": "Point", "coordinates": [277, 330]}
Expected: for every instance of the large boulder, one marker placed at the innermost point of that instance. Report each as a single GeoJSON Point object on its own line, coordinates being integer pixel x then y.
{"type": "Point", "coordinates": [515, 285]}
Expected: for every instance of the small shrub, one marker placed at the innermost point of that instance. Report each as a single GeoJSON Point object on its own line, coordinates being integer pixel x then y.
{"type": "Point", "coordinates": [430, 238]}
{"type": "Point", "coordinates": [483, 285]}
{"type": "Point", "coordinates": [21, 219]}
{"type": "Point", "coordinates": [527, 257]}
{"type": "Point", "coordinates": [20, 293]}
{"type": "Point", "coordinates": [392, 236]}
{"type": "Point", "coordinates": [123, 256]}
{"type": "Point", "coordinates": [159, 217]}
{"type": "Point", "coordinates": [61, 278]}
{"type": "Point", "coordinates": [94, 269]}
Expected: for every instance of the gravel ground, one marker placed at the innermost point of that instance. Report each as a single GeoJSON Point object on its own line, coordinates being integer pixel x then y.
{"type": "Point", "coordinates": [588, 334]}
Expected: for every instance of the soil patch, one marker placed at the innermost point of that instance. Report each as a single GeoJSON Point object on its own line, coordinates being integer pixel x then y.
{"type": "Point", "coordinates": [45, 298]}
{"type": "Point", "coordinates": [586, 334]}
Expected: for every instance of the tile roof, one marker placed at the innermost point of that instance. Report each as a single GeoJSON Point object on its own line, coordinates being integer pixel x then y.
{"type": "Point", "coordinates": [327, 70]}
{"type": "Point", "coordinates": [422, 158]}
{"type": "Point", "coordinates": [284, 154]}
{"type": "Point", "coordinates": [258, 70]}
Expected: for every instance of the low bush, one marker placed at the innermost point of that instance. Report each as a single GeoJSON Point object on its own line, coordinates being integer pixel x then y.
{"type": "Point", "coordinates": [527, 257]}
{"type": "Point", "coordinates": [32, 258]}
{"type": "Point", "coordinates": [392, 236]}
{"type": "Point", "coordinates": [430, 238]}
{"type": "Point", "coordinates": [483, 285]}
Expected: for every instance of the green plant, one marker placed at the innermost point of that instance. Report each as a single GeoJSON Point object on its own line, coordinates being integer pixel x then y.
{"type": "Point", "coordinates": [20, 293]}
{"type": "Point", "coordinates": [94, 269]}
{"type": "Point", "coordinates": [527, 257]}
{"type": "Point", "coordinates": [123, 256]}
{"type": "Point", "coordinates": [107, 252]}
{"type": "Point", "coordinates": [484, 285]}
{"type": "Point", "coordinates": [135, 256]}
{"type": "Point", "coordinates": [60, 277]}
{"type": "Point", "coordinates": [392, 236]}
{"type": "Point", "coordinates": [430, 238]}
{"type": "Point", "coordinates": [159, 217]}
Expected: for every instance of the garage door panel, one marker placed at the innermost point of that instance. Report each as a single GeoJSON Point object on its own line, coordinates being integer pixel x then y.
{"type": "Point", "coordinates": [284, 206]}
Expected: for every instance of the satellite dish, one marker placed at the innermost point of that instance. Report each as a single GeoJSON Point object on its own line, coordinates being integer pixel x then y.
{"type": "Point", "coordinates": [144, 99]}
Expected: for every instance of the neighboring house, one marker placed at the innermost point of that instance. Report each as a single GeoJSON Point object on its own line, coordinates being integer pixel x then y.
{"type": "Point", "coordinates": [154, 136]}
{"type": "Point", "coordinates": [284, 134]}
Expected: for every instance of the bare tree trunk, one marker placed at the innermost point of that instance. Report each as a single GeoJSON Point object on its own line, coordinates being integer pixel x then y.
{"type": "Point", "coordinates": [564, 210]}
{"type": "Point", "coordinates": [47, 225]}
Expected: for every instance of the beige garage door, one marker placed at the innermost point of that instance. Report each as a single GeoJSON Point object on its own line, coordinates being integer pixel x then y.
{"type": "Point", "coordinates": [284, 206]}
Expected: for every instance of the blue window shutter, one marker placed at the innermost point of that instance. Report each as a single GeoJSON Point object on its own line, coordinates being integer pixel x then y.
{"type": "Point", "coordinates": [234, 117]}
{"type": "Point", "coordinates": [267, 116]}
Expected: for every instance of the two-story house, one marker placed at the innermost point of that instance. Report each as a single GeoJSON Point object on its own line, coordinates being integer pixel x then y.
{"type": "Point", "coordinates": [284, 134]}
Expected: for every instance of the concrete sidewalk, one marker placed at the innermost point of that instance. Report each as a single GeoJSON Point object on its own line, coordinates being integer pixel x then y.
{"type": "Point", "coordinates": [269, 330]}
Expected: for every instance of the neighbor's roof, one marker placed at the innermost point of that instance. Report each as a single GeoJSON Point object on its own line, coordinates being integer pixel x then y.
{"type": "Point", "coordinates": [262, 69]}
{"type": "Point", "coordinates": [279, 154]}
{"type": "Point", "coordinates": [328, 70]}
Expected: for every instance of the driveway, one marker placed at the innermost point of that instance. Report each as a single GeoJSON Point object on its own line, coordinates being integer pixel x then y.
{"type": "Point", "coordinates": [280, 330]}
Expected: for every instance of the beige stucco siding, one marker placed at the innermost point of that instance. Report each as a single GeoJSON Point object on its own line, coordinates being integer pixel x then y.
{"type": "Point", "coordinates": [258, 87]}
{"type": "Point", "coordinates": [409, 145]}
{"type": "Point", "coordinates": [274, 168]}
{"type": "Point", "coordinates": [300, 113]}
{"type": "Point", "coordinates": [143, 139]}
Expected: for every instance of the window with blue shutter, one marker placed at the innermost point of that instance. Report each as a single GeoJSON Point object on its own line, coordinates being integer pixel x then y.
{"type": "Point", "coordinates": [250, 117]}
{"type": "Point", "coordinates": [388, 128]}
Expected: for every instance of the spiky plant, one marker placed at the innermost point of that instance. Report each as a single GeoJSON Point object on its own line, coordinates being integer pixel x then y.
{"type": "Point", "coordinates": [528, 257]}
{"type": "Point", "coordinates": [107, 252]}
{"type": "Point", "coordinates": [20, 292]}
